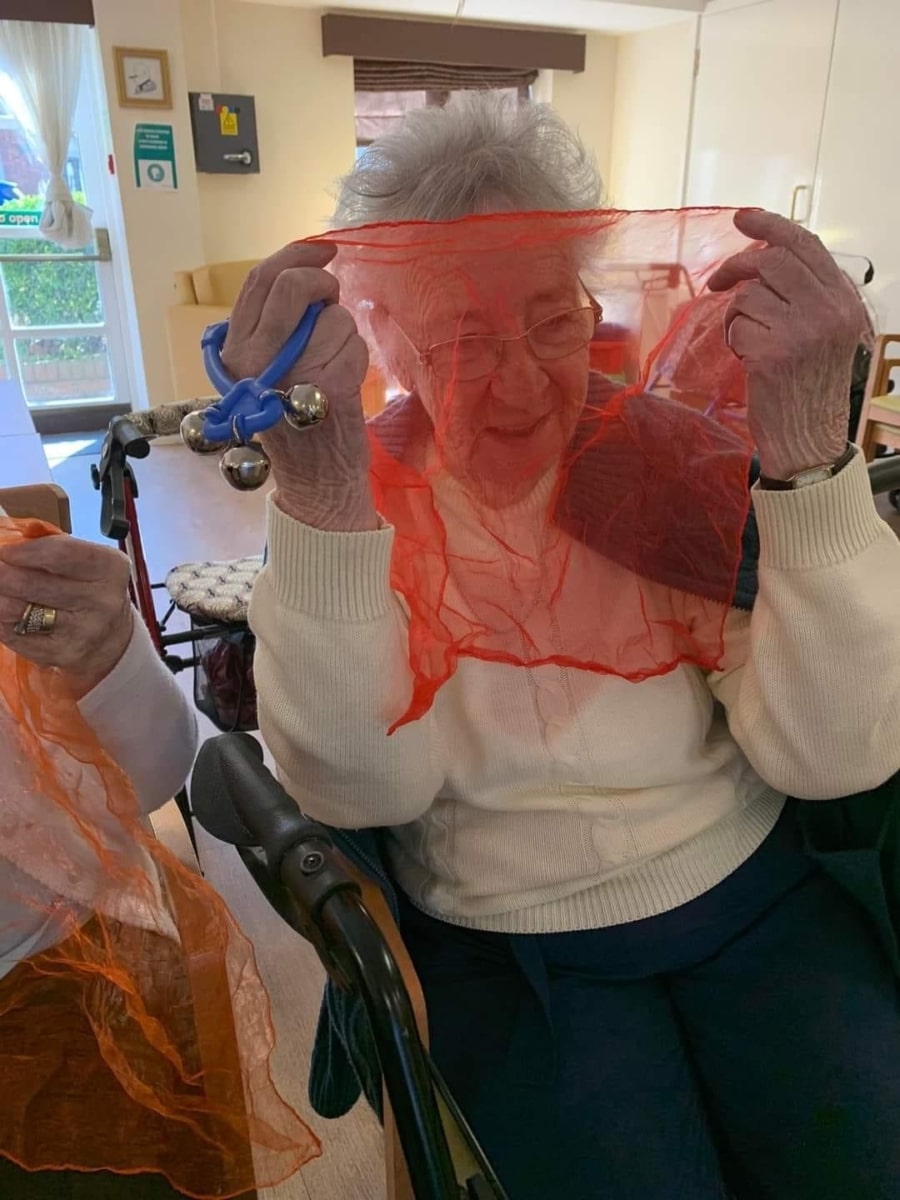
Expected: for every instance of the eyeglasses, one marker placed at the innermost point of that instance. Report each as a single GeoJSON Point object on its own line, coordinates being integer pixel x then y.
{"type": "Point", "coordinates": [475, 355]}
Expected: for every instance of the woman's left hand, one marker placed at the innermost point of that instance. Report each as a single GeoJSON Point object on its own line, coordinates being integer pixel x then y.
{"type": "Point", "coordinates": [87, 585]}
{"type": "Point", "coordinates": [795, 322]}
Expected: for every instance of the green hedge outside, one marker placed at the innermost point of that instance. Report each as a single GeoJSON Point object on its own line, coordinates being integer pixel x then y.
{"type": "Point", "coordinates": [50, 293]}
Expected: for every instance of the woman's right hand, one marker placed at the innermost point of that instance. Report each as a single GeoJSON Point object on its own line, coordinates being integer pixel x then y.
{"type": "Point", "coordinates": [321, 474]}
{"type": "Point", "coordinates": [86, 586]}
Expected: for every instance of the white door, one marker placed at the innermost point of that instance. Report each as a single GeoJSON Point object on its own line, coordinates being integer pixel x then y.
{"type": "Point", "coordinates": [857, 209]}
{"type": "Point", "coordinates": [759, 103]}
{"type": "Point", "coordinates": [61, 337]}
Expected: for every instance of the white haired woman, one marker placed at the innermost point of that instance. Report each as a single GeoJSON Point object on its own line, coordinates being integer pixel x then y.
{"type": "Point", "coordinates": [709, 1011]}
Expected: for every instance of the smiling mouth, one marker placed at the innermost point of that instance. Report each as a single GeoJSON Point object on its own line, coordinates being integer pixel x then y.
{"type": "Point", "coordinates": [516, 432]}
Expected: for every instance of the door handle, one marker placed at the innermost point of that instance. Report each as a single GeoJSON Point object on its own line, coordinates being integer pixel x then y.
{"type": "Point", "coordinates": [244, 157]}
{"type": "Point", "coordinates": [795, 196]}
{"type": "Point", "coordinates": [101, 241]}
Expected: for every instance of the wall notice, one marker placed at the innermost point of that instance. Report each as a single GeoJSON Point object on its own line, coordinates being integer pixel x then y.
{"type": "Point", "coordinates": [154, 157]}
{"type": "Point", "coordinates": [228, 121]}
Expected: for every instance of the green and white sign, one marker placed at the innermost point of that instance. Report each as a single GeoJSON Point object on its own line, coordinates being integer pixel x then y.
{"type": "Point", "coordinates": [19, 219]}
{"type": "Point", "coordinates": [154, 157]}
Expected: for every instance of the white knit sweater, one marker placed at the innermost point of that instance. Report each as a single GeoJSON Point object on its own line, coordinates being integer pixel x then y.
{"type": "Point", "coordinates": [532, 800]}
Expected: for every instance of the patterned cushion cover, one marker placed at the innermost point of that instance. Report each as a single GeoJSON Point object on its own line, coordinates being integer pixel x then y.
{"type": "Point", "coordinates": [216, 590]}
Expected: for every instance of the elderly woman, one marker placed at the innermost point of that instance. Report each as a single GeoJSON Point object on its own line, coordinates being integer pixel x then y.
{"type": "Point", "coordinates": [639, 988]}
{"type": "Point", "coordinates": [64, 604]}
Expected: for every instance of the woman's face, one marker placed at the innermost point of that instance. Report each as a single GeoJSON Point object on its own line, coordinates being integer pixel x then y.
{"type": "Point", "coordinates": [506, 428]}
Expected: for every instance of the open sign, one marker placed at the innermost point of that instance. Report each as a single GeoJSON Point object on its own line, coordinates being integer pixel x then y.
{"type": "Point", "coordinates": [27, 220]}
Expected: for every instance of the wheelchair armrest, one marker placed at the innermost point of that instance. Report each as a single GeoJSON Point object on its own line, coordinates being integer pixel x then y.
{"type": "Point", "coordinates": [378, 909]}
{"type": "Point", "coordinates": [465, 1162]}
{"type": "Point", "coordinates": [399, 1184]}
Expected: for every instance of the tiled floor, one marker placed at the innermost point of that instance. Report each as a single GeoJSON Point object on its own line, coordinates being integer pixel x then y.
{"type": "Point", "coordinates": [187, 512]}
{"type": "Point", "coordinates": [59, 448]}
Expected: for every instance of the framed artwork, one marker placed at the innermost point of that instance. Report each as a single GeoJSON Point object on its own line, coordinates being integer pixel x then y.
{"type": "Point", "coordinates": [142, 78]}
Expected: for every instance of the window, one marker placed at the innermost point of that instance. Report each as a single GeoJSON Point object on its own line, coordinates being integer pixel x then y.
{"type": "Point", "coordinates": [59, 336]}
{"type": "Point", "coordinates": [378, 113]}
{"type": "Point", "coordinates": [22, 177]}
{"type": "Point", "coordinates": [387, 91]}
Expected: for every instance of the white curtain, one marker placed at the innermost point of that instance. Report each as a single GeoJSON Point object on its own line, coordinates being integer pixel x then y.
{"type": "Point", "coordinates": [43, 62]}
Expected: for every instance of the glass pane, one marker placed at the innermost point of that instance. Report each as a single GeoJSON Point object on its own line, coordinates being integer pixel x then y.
{"type": "Point", "coordinates": [22, 177]}
{"type": "Point", "coordinates": [378, 113]}
{"type": "Point", "coordinates": [48, 293]}
{"type": "Point", "coordinates": [4, 373]}
{"type": "Point", "coordinates": [16, 241]}
{"type": "Point", "coordinates": [61, 369]}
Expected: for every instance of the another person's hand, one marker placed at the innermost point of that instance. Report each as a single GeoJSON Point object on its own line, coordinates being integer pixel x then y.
{"type": "Point", "coordinates": [795, 321]}
{"type": "Point", "coordinates": [321, 474]}
{"type": "Point", "coordinates": [87, 585]}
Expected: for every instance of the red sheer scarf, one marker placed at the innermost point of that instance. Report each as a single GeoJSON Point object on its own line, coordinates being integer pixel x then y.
{"type": "Point", "coordinates": [567, 473]}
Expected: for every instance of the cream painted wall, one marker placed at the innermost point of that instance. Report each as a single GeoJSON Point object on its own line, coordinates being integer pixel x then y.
{"type": "Point", "coordinates": [304, 110]}
{"type": "Point", "coordinates": [651, 116]}
{"type": "Point", "coordinates": [857, 196]}
{"type": "Point", "coordinates": [304, 113]}
{"type": "Point", "coordinates": [305, 118]}
{"type": "Point", "coordinates": [585, 101]}
{"type": "Point", "coordinates": [162, 229]}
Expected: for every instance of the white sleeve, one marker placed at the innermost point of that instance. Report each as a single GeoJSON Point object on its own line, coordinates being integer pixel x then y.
{"type": "Point", "coordinates": [143, 720]}
{"type": "Point", "coordinates": [811, 681]}
{"type": "Point", "coordinates": [332, 675]}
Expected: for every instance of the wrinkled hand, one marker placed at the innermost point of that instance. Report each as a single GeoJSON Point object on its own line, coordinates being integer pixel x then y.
{"type": "Point", "coordinates": [88, 587]}
{"type": "Point", "coordinates": [795, 322]}
{"type": "Point", "coordinates": [321, 474]}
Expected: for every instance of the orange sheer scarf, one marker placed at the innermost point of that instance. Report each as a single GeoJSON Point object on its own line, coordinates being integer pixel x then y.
{"type": "Point", "coordinates": [141, 1041]}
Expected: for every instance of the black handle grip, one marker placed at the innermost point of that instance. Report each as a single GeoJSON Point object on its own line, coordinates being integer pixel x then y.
{"type": "Point", "coordinates": [129, 437]}
{"type": "Point", "coordinates": [884, 474]}
{"type": "Point", "coordinates": [236, 798]}
{"type": "Point", "coordinates": [113, 477]}
{"type": "Point", "coordinates": [112, 521]}
{"type": "Point", "coordinates": [112, 474]}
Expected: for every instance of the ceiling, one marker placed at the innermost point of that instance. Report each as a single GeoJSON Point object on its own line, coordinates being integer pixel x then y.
{"type": "Point", "coordinates": [602, 16]}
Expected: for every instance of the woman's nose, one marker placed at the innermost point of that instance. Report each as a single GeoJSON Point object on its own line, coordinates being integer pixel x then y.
{"type": "Point", "coordinates": [518, 374]}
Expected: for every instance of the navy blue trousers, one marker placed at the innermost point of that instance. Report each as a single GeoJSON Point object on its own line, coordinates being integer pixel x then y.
{"type": "Point", "coordinates": [746, 1044]}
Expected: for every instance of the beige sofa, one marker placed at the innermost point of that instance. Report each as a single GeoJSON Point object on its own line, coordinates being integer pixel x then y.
{"type": "Point", "coordinates": [202, 297]}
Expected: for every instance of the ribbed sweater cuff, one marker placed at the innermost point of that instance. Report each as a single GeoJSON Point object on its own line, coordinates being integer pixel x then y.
{"type": "Point", "coordinates": [818, 526]}
{"type": "Point", "coordinates": [335, 576]}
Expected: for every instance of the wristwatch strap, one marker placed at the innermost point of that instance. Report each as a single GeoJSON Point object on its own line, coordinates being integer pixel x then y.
{"type": "Point", "coordinates": [811, 475]}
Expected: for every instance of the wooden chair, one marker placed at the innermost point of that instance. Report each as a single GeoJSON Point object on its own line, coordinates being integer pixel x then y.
{"type": "Point", "coordinates": [45, 501]}
{"type": "Point", "coordinates": [879, 422]}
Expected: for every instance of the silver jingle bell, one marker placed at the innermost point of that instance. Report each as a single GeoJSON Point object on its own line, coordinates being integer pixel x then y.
{"type": "Point", "coordinates": [245, 467]}
{"type": "Point", "coordinates": [305, 406]}
{"type": "Point", "coordinates": [193, 437]}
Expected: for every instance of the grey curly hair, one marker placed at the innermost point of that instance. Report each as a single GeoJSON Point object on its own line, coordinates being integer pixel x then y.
{"type": "Point", "coordinates": [478, 154]}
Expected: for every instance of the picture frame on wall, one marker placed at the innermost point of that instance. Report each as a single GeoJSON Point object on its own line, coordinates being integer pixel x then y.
{"type": "Point", "coordinates": [142, 78]}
